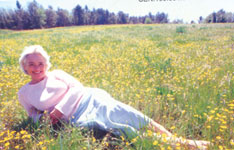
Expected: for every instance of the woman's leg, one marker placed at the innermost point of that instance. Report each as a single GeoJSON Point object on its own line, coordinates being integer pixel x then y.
{"type": "Point", "coordinates": [159, 128]}
{"type": "Point", "coordinates": [174, 140]}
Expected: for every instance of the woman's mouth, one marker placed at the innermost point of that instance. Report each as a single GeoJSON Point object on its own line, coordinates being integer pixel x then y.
{"type": "Point", "coordinates": [37, 72]}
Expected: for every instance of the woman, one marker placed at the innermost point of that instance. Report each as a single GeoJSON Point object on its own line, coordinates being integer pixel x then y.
{"type": "Point", "coordinates": [63, 97]}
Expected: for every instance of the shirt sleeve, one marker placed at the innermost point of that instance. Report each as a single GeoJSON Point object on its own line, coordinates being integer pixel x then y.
{"type": "Point", "coordinates": [31, 111]}
{"type": "Point", "coordinates": [74, 93]}
{"type": "Point", "coordinates": [69, 102]}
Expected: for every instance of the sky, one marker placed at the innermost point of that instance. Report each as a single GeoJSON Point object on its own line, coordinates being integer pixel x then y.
{"type": "Point", "coordinates": [187, 10]}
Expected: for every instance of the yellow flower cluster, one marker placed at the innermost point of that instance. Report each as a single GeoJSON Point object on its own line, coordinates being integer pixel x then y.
{"type": "Point", "coordinates": [13, 140]}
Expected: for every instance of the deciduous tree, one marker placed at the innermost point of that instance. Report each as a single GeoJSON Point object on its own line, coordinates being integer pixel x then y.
{"type": "Point", "coordinates": [51, 17]}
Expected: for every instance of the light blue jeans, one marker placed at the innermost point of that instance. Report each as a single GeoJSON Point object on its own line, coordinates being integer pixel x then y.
{"type": "Point", "coordinates": [98, 109]}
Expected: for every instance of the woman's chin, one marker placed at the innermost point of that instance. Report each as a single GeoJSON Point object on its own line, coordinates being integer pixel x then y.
{"type": "Point", "coordinates": [37, 79]}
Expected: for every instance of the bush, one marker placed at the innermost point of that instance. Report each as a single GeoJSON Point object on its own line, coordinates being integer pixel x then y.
{"type": "Point", "coordinates": [148, 21]}
{"type": "Point", "coordinates": [181, 29]}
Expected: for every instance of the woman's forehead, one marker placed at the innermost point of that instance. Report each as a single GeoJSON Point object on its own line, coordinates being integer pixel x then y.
{"type": "Point", "coordinates": [34, 57]}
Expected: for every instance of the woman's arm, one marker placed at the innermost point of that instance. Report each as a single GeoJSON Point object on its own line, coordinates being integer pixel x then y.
{"type": "Point", "coordinates": [70, 100]}
{"type": "Point", "coordinates": [55, 116]}
{"type": "Point", "coordinates": [31, 110]}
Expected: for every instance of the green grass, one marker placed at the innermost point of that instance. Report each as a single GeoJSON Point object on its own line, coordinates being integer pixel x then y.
{"type": "Point", "coordinates": [179, 75]}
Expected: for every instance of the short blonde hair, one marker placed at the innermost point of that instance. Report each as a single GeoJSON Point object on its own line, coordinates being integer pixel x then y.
{"type": "Point", "coordinates": [31, 50]}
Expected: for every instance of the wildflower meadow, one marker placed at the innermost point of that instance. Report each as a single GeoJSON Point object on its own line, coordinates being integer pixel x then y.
{"type": "Point", "coordinates": [182, 76]}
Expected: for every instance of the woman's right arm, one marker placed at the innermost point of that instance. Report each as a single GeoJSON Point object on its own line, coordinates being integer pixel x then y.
{"type": "Point", "coordinates": [31, 110]}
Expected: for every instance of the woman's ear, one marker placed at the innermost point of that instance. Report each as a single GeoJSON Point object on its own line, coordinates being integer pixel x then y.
{"type": "Point", "coordinates": [24, 67]}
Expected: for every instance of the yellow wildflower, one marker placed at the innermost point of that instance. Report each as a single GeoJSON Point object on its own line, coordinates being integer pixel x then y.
{"type": "Point", "coordinates": [7, 144]}
{"type": "Point", "coordinates": [155, 143]}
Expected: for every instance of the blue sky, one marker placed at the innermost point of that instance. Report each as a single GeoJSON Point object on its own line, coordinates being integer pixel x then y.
{"type": "Point", "coordinates": [187, 10]}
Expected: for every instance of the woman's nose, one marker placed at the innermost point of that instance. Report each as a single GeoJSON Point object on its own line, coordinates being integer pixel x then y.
{"type": "Point", "coordinates": [36, 67]}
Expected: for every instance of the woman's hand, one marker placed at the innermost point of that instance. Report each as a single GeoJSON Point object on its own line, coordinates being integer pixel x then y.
{"type": "Point", "coordinates": [55, 115]}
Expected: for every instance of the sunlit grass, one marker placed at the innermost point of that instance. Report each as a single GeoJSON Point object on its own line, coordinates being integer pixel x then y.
{"type": "Point", "coordinates": [183, 80]}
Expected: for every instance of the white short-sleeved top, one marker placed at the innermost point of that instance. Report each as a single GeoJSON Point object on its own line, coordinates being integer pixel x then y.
{"type": "Point", "coordinates": [57, 90]}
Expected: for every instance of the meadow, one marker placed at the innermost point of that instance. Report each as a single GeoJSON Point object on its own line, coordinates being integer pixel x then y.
{"type": "Point", "coordinates": [182, 76]}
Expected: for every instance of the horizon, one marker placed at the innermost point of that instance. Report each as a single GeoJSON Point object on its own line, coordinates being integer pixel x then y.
{"type": "Point", "coordinates": [186, 10]}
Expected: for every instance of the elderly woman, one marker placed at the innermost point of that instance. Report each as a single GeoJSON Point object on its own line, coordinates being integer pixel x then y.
{"type": "Point", "coordinates": [64, 97]}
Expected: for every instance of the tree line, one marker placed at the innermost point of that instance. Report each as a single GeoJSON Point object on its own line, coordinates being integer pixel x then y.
{"type": "Point", "coordinates": [220, 17]}
{"type": "Point", "coordinates": [36, 17]}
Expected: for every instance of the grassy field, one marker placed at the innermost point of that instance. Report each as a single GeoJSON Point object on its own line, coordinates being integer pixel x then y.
{"type": "Point", "coordinates": [180, 75]}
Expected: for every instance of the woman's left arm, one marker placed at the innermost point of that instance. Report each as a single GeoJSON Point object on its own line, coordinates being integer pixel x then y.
{"type": "Point", "coordinates": [72, 96]}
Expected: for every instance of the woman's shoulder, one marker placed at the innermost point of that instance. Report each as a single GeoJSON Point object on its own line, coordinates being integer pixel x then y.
{"type": "Point", "coordinates": [56, 72]}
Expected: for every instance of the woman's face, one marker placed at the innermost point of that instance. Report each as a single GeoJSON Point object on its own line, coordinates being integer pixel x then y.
{"type": "Point", "coordinates": [35, 66]}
